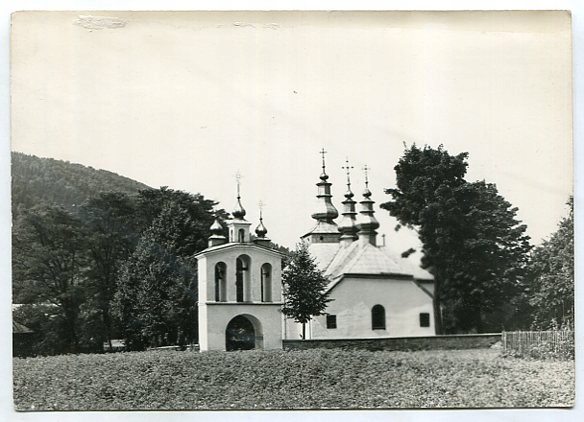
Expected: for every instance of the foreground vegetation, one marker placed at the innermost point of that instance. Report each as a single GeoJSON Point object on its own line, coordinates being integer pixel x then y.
{"type": "Point", "coordinates": [290, 380]}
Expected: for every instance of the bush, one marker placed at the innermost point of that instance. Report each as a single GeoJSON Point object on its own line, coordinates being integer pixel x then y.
{"type": "Point", "coordinates": [554, 344]}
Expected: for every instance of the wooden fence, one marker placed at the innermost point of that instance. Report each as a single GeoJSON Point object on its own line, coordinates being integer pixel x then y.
{"type": "Point", "coordinates": [557, 343]}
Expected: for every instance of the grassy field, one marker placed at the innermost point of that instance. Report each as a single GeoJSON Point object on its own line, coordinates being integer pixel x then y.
{"type": "Point", "coordinates": [290, 380]}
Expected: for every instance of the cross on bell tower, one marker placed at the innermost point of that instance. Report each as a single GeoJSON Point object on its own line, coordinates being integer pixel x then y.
{"type": "Point", "coordinates": [238, 226]}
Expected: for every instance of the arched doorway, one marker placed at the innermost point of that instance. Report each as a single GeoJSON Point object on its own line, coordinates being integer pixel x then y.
{"type": "Point", "coordinates": [243, 333]}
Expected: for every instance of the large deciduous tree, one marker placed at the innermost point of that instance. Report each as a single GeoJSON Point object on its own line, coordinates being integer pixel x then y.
{"type": "Point", "coordinates": [551, 277]}
{"type": "Point", "coordinates": [49, 259]}
{"type": "Point", "coordinates": [112, 234]}
{"type": "Point", "coordinates": [157, 290]}
{"type": "Point", "coordinates": [303, 287]}
{"type": "Point", "coordinates": [472, 242]}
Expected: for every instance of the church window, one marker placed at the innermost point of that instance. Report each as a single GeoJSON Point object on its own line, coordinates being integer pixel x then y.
{"type": "Point", "coordinates": [424, 319]}
{"type": "Point", "coordinates": [241, 235]}
{"type": "Point", "coordinates": [378, 318]}
{"type": "Point", "coordinates": [331, 321]}
{"type": "Point", "coordinates": [220, 271]}
{"type": "Point", "coordinates": [266, 283]}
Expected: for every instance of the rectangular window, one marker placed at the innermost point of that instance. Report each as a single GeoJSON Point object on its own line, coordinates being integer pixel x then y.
{"type": "Point", "coordinates": [331, 321]}
{"type": "Point", "coordinates": [424, 319]}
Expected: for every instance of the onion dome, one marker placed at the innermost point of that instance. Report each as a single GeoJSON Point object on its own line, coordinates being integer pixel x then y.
{"type": "Point", "coordinates": [239, 212]}
{"type": "Point", "coordinates": [347, 226]}
{"type": "Point", "coordinates": [216, 237]}
{"type": "Point", "coordinates": [261, 230]}
{"type": "Point", "coordinates": [326, 212]}
{"type": "Point", "coordinates": [367, 223]}
{"type": "Point", "coordinates": [216, 227]}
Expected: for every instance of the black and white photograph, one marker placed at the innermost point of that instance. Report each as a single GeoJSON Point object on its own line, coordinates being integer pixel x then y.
{"type": "Point", "coordinates": [291, 210]}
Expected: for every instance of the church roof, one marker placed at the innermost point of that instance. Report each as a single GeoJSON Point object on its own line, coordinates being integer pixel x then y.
{"type": "Point", "coordinates": [362, 259]}
{"type": "Point", "coordinates": [214, 249]}
{"type": "Point", "coordinates": [357, 258]}
{"type": "Point", "coordinates": [410, 265]}
{"type": "Point", "coordinates": [322, 227]}
{"type": "Point", "coordinates": [323, 253]}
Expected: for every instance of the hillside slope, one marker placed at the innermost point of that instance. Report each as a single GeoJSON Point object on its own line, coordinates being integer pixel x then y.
{"type": "Point", "coordinates": [46, 181]}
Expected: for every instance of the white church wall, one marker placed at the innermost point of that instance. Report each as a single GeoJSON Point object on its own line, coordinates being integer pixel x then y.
{"type": "Point", "coordinates": [229, 256]}
{"type": "Point", "coordinates": [354, 299]}
{"type": "Point", "coordinates": [217, 316]}
{"type": "Point", "coordinates": [293, 330]}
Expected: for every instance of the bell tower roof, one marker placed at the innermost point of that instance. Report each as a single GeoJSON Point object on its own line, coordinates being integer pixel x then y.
{"type": "Point", "coordinates": [367, 223]}
{"type": "Point", "coordinates": [347, 226]}
{"type": "Point", "coordinates": [326, 230]}
{"type": "Point", "coordinates": [238, 227]}
{"type": "Point", "coordinates": [239, 211]}
{"type": "Point", "coordinates": [326, 211]}
{"type": "Point", "coordinates": [261, 230]}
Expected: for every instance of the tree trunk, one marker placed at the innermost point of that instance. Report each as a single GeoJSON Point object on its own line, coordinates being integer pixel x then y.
{"type": "Point", "coordinates": [303, 331]}
{"type": "Point", "coordinates": [437, 310]}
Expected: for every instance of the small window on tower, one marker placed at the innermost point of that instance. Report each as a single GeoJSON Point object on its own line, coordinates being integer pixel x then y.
{"type": "Point", "coordinates": [424, 319]}
{"type": "Point", "coordinates": [331, 321]}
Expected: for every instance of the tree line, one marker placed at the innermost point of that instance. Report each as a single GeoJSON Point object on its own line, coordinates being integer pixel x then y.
{"type": "Point", "coordinates": [487, 275]}
{"type": "Point", "coordinates": [121, 266]}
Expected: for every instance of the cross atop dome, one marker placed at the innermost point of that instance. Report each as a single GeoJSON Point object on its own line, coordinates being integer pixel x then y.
{"type": "Point", "coordinates": [348, 168]}
{"type": "Point", "coordinates": [366, 169]}
{"type": "Point", "coordinates": [323, 176]}
{"type": "Point", "coordinates": [239, 212]}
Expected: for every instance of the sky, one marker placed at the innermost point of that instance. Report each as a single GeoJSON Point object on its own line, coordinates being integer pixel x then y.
{"type": "Point", "coordinates": [187, 100]}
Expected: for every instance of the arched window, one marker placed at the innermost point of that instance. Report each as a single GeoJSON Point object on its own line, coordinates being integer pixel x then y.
{"type": "Point", "coordinates": [242, 283]}
{"type": "Point", "coordinates": [241, 236]}
{"type": "Point", "coordinates": [220, 271]}
{"type": "Point", "coordinates": [378, 318]}
{"type": "Point", "coordinates": [266, 283]}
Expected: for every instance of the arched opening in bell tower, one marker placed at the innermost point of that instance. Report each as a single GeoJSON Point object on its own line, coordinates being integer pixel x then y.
{"type": "Point", "coordinates": [242, 278]}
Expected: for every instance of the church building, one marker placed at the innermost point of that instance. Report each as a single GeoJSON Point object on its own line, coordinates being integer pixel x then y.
{"type": "Point", "coordinates": [240, 288]}
{"type": "Point", "coordinates": [374, 293]}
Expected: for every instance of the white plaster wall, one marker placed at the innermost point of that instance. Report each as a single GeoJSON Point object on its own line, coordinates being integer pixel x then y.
{"type": "Point", "coordinates": [354, 298]}
{"type": "Point", "coordinates": [218, 315]}
{"type": "Point", "coordinates": [228, 256]}
{"type": "Point", "coordinates": [293, 329]}
{"type": "Point", "coordinates": [214, 316]}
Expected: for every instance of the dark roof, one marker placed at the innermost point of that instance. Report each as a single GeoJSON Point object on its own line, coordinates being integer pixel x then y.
{"type": "Point", "coordinates": [18, 328]}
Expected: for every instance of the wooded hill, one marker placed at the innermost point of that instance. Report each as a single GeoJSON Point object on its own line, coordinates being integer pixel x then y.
{"type": "Point", "coordinates": [46, 181]}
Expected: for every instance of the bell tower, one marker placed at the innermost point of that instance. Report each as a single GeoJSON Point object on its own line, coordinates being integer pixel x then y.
{"type": "Point", "coordinates": [240, 287]}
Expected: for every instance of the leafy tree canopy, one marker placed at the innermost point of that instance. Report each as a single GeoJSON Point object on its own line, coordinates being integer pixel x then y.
{"type": "Point", "coordinates": [304, 287]}
{"type": "Point", "coordinates": [551, 277]}
{"type": "Point", "coordinates": [472, 242]}
{"type": "Point", "coordinates": [48, 261]}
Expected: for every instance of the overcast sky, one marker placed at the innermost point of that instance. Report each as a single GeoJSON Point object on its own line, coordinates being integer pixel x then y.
{"type": "Point", "coordinates": [187, 100]}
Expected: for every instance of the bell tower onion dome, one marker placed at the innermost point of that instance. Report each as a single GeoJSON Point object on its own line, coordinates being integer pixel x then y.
{"type": "Point", "coordinates": [239, 212]}
{"type": "Point", "coordinates": [367, 223]}
{"type": "Point", "coordinates": [347, 226]}
{"type": "Point", "coordinates": [261, 230]}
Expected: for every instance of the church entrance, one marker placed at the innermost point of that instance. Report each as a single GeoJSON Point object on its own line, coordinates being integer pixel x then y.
{"type": "Point", "coordinates": [240, 334]}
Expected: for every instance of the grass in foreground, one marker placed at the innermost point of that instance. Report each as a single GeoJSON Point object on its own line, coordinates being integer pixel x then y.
{"type": "Point", "coordinates": [313, 379]}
